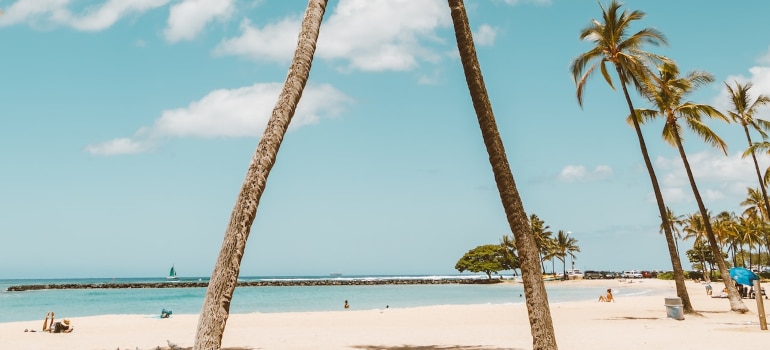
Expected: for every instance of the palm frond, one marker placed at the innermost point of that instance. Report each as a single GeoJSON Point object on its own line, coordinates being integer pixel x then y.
{"type": "Point", "coordinates": [760, 125]}
{"type": "Point", "coordinates": [708, 135]}
{"type": "Point", "coordinates": [757, 147]}
{"type": "Point", "coordinates": [643, 115]}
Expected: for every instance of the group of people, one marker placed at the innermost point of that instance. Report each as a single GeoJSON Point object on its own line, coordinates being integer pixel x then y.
{"type": "Point", "coordinates": [743, 291]}
{"type": "Point", "coordinates": [65, 326]}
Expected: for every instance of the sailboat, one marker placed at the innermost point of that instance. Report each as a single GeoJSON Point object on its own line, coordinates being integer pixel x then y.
{"type": "Point", "coordinates": [172, 275]}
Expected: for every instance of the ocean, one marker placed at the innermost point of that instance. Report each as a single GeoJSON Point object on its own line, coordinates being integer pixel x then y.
{"type": "Point", "coordinates": [33, 305]}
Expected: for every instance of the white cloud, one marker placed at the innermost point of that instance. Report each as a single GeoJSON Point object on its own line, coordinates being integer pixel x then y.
{"type": "Point", "coordinates": [274, 42]}
{"type": "Point", "coordinates": [671, 195]}
{"type": "Point", "coordinates": [117, 146]}
{"type": "Point", "coordinates": [579, 173]}
{"type": "Point", "coordinates": [33, 10]}
{"type": "Point", "coordinates": [485, 35]}
{"type": "Point", "coordinates": [100, 18]}
{"type": "Point", "coordinates": [241, 112]}
{"type": "Point", "coordinates": [717, 176]}
{"type": "Point", "coordinates": [759, 77]}
{"type": "Point", "coordinates": [56, 12]}
{"type": "Point", "coordinates": [389, 35]}
{"type": "Point", "coordinates": [188, 18]}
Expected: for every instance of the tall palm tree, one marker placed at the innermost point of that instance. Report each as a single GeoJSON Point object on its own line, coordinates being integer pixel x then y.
{"type": "Point", "coordinates": [667, 93]}
{"type": "Point", "coordinates": [693, 228]}
{"type": "Point", "coordinates": [675, 221]}
{"type": "Point", "coordinates": [750, 232]}
{"type": "Point", "coordinates": [615, 46]}
{"type": "Point", "coordinates": [565, 245]}
{"type": "Point", "coordinates": [216, 305]}
{"type": "Point", "coordinates": [743, 113]}
{"type": "Point", "coordinates": [540, 321]}
{"type": "Point", "coordinates": [542, 235]}
{"type": "Point", "coordinates": [755, 203]}
{"type": "Point", "coordinates": [756, 210]}
{"type": "Point", "coordinates": [727, 230]}
{"type": "Point", "coordinates": [510, 257]}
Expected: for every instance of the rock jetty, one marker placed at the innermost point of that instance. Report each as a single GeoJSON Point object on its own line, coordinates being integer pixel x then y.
{"type": "Point", "coordinates": [257, 283]}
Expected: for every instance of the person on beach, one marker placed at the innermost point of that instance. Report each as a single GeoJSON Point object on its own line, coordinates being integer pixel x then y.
{"type": "Point", "coordinates": [708, 289]}
{"type": "Point", "coordinates": [62, 327]}
{"type": "Point", "coordinates": [165, 313]}
{"type": "Point", "coordinates": [347, 306]}
{"type": "Point", "coordinates": [56, 327]}
{"type": "Point", "coordinates": [607, 298]}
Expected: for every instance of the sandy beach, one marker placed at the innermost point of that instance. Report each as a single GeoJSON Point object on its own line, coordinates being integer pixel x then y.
{"type": "Point", "coordinates": [631, 322]}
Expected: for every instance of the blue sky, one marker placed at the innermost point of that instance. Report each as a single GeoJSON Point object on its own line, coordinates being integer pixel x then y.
{"type": "Point", "coordinates": [128, 125]}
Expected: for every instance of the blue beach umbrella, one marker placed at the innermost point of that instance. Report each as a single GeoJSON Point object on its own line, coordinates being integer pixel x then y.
{"type": "Point", "coordinates": [743, 275]}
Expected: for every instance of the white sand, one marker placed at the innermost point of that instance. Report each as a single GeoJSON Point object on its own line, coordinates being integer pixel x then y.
{"type": "Point", "coordinates": [638, 322]}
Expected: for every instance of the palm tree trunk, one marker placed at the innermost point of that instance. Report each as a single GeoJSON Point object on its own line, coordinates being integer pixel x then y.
{"type": "Point", "coordinates": [541, 324]}
{"type": "Point", "coordinates": [216, 305]}
{"type": "Point", "coordinates": [676, 263]}
{"type": "Point", "coordinates": [736, 303]}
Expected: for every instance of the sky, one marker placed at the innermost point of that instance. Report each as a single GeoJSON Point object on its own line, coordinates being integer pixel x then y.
{"type": "Point", "coordinates": [127, 127]}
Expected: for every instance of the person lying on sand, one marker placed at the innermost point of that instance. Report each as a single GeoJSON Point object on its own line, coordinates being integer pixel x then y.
{"type": "Point", "coordinates": [607, 298]}
{"type": "Point", "coordinates": [56, 327]}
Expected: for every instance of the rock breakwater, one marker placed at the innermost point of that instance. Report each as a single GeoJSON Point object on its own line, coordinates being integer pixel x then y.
{"type": "Point", "coordinates": [258, 283]}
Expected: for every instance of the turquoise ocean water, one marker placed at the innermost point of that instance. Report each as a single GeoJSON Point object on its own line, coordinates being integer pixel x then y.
{"type": "Point", "coordinates": [33, 305]}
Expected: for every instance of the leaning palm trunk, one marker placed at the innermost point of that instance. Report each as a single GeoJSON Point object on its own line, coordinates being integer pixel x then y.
{"type": "Point", "coordinates": [736, 303]}
{"type": "Point", "coordinates": [541, 325]}
{"type": "Point", "coordinates": [676, 263]}
{"type": "Point", "coordinates": [216, 305]}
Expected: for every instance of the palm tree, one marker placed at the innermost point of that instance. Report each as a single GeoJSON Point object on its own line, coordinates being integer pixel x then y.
{"type": "Point", "coordinates": [216, 305]}
{"type": "Point", "coordinates": [756, 211]}
{"type": "Point", "coordinates": [565, 245]}
{"type": "Point", "coordinates": [751, 229]}
{"type": "Point", "coordinates": [613, 45]}
{"type": "Point", "coordinates": [542, 235]}
{"type": "Point", "coordinates": [754, 203]}
{"type": "Point", "coordinates": [743, 112]}
{"type": "Point", "coordinates": [693, 228]}
{"type": "Point", "coordinates": [510, 258]}
{"type": "Point", "coordinates": [667, 92]}
{"type": "Point", "coordinates": [675, 221]}
{"type": "Point", "coordinates": [540, 321]}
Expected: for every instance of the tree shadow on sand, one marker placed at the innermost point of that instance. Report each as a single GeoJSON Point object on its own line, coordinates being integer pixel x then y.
{"type": "Point", "coordinates": [428, 347]}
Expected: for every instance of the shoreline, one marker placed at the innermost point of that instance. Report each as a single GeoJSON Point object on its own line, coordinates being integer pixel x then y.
{"type": "Point", "coordinates": [632, 322]}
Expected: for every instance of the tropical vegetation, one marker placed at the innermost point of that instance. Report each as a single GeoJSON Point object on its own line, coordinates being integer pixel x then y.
{"type": "Point", "coordinates": [719, 241]}
{"type": "Point", "coordinates": [493, 258]}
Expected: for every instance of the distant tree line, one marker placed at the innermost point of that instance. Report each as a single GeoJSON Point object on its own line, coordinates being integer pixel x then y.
{"type": "Point", "coordinates": [493, 258]}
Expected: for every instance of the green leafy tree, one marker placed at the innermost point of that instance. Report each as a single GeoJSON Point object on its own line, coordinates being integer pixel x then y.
{"type": "Point", "coordinates": [668, 92]}
{"type": "Point", "coordinates": [538, 309]}
{"type": "Point", "coordinates": [702, 255]}
{"type": "Point", "coordinates": [613, 44]}
{"type": "Point", "coordinates": [216, 304]}
{"type": "Point", "coordinates": [486, 258]}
